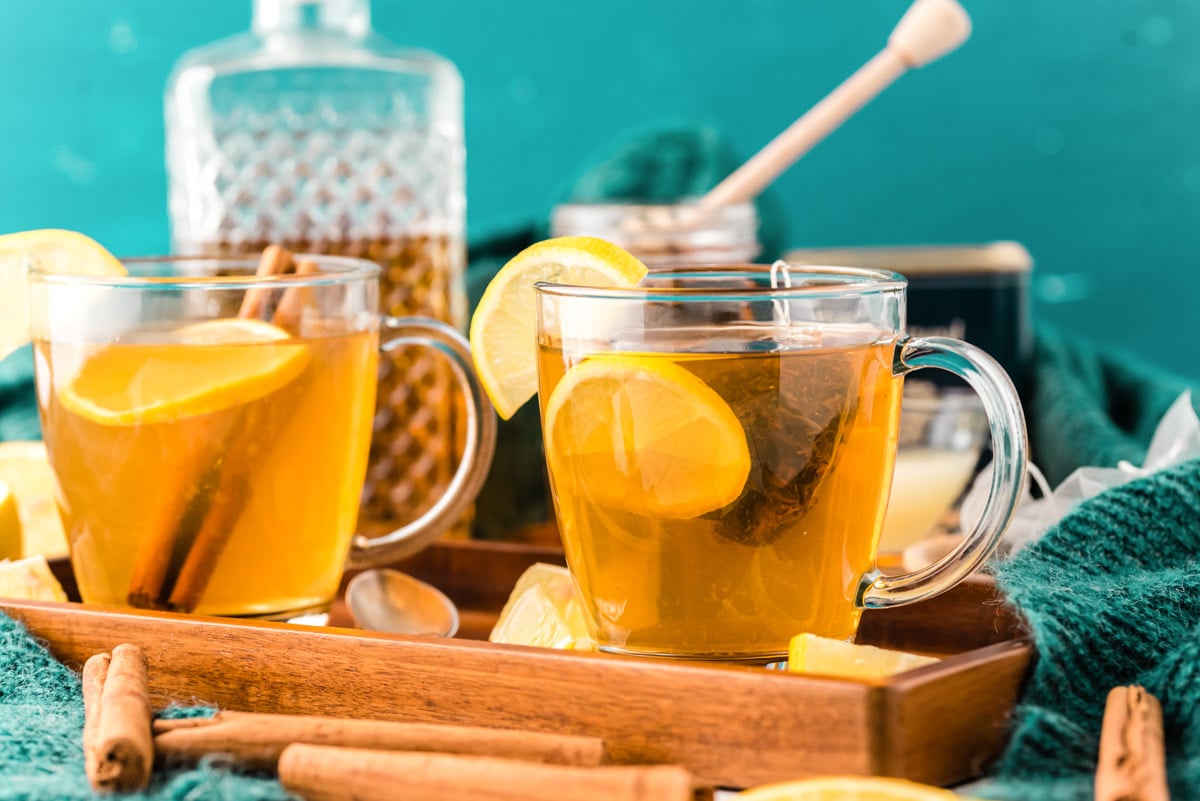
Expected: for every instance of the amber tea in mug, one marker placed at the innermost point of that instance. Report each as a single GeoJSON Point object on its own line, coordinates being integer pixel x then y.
{"type": "Point", "coordinates": [212, 460]}
{"type": "Point", "coordinates": [721, 447]}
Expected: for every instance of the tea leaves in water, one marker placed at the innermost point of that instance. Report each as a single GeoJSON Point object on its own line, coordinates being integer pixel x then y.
{"type": "Point", "coordinates": [795, 420]}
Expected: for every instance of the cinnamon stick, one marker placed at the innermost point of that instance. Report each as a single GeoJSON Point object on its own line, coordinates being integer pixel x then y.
{"type": "Point", "coordinates": [174, 565]}
{"type": "Point", "coordinates": [275, 260]}
{"type": "Point", "coordinates": [1132, 765]}
{"type": "Point", "coordinates": [225, 504]}
{"type": "Point", "coordinates": [327, 773]}
{"type": "Point", "coordinates": [117, 744]}
{"type": "Point", "coordinates": [256, 740]}
{"type": "Point", "coordinates": [193, 483]}
{"type": "Point", "coordinates": [295, 299]}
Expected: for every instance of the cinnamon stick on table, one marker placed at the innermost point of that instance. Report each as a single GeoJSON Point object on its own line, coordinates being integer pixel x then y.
{"type": "Point", "coordinates": [174, 565]}
{"type": "Point", "coordinates": [255, 740]}
{"type": "Point", "coordinates": [1133, 763]}
{"type": "Point", "coordinates": [326, 773]}
{"type": "Point", "coordinates": [117, 746]}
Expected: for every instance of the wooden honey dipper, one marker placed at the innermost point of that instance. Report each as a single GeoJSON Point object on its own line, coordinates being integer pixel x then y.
{"type": "Point", "coordinates": [928, 30]}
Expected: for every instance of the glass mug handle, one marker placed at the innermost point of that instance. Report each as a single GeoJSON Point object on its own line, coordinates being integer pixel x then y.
{"type": "Point", "coordinates": [399, 332]}
{"type": "Point", "coordinates": [1007, 423]}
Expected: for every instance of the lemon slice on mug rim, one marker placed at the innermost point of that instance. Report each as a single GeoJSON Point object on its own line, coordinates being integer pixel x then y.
{"type": "Point", "coordinates": [49, 251]}
{"type": "Point", "coordinates": [504, 327]}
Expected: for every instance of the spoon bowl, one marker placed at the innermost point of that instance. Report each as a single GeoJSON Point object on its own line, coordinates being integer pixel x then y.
{"type": "Point", "coordinates": [391, 601]}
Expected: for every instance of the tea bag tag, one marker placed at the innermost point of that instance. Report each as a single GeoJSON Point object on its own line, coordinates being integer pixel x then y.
{"type": "Point", "coordinates": [781, 279]}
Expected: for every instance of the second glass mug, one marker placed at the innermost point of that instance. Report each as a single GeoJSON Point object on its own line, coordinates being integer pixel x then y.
{"type": "Point", "coordinates": [721, 441]}
{"type": "Point", "coordinates": [209, 430]}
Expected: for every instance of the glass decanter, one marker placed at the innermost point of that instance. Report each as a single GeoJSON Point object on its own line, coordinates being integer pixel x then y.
{"type": "Point", "coordinates": [313, 132]}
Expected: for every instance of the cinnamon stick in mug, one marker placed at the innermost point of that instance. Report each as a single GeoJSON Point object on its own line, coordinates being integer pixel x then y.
{"type": "Point", "coordinates": [255, 740]}
{"type": "Point", "coordinates": [174, 565]}
{"type": "Point", "coordinates": [326, 773]}
{"type": "Point", "coordinates": [275, 260]}
{"type": "Point", "coordinates": [117, 745]}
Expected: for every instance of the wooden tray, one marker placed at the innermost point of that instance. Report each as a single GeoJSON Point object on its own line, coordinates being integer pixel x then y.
{"type": "Point", "coordinates": [732, 726]}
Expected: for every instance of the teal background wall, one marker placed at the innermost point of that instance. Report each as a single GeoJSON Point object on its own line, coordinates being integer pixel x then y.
{"type": "Point", "coordinates": [1071, 126]}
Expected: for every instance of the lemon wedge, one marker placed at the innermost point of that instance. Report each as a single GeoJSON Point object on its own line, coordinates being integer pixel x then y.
{"type": "Point", "coordinates": [642, 434]}
{"type": "Point", "coordinates": [48, 251]}
{"type": "Point", "coordinates": [543, 610]}
{"type": "Point", "coordinates": [809, 653]}
{"type": "Point", "coordinates": [848, 788]}
{"type": "Point", "coordinates": [504, 327]}
{"type": "Point", "coordinates": [29, 580]}
{"type": "Point", "coordinates": [25, 468]}
{"type": "Point", "coordinates": [202, 368]}
{"type": "Point", "coordinates": [10, 524]}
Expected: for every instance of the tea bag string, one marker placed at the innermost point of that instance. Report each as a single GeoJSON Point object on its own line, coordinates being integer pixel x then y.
{"type": "Point", "coordinates": [780, 277]}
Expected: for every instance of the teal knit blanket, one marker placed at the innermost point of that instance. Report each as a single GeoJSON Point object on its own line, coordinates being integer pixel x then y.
{"type": "Point", "coordinates": [41, 748]}
{"type": "Point", "coordinates": [1112, 593]}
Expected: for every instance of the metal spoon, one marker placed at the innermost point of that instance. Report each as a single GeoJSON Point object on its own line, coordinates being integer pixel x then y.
{"type": "Point", "coordinates": [388, 600]}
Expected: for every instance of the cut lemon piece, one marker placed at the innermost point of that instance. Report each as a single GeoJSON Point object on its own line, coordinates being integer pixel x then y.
{"type": "Point", "coordinates": [504, 327]}
{"type": "Point", "coordinates": [48, 251]}
{"type": "Point", "coordinates": [544, 610]}
{"type": "Point", "coordinates": [30, 580]}
{"type": "Point", "coordinates": [849, 788]}
{"type": "Point", "coordinates": [642, 434]}
{"type": "Point", "coordinates": [25, 468]}
{"type": "Point", "coordinates": [809, 653]}
{"type": "Point", "coordinates": [10, 524]}
{"type": "Point", "coordinates": [201, 368]}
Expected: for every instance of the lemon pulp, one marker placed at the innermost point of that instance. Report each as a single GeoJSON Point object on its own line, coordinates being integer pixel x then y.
{"type": "Point", "coordinates": [642, 434]}
{"type": "Point", "coordinates": [849, 788]}
{"type": "Point", "coordinates": [203, 368]}
{"type": "Point", "coordinates": [544, 610]}
{"type": "Point", "coordinates": [809, 653]}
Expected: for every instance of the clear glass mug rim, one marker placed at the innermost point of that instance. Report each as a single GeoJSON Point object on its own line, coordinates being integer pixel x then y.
{"type": "Point", "coordinates": [333, 270]}
{"type": "Point", "coordinates": [855, 281]}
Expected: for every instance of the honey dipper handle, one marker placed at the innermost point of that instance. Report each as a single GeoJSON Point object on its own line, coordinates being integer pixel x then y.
{"type": "Point", "coordinates": [928, 30]}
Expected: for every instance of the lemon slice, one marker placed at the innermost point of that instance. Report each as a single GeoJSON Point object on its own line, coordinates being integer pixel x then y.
{"type": "Point", "coordinates": [30, 580]}
{"type": "Point", "coordinates": [201, 368]}
{"type": "Point", "coordinates": [10, 524]}
{"type": "Point", "coordinates": [25, 468]}
{"type": "Point", "coordinates": [848, 788]}
{"type": "Point", "coordinates": [504, 328]}
{"type": "Point", "coordinates": [809, 653]}
{"type": "Point", "coordinates": [642, 434]}
{"type": "Point", "coordinates": [544, 610]}
{"type": "Point", "coordinates": [48, 251]}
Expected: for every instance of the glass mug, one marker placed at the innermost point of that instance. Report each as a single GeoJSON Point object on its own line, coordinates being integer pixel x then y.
{"type": "Point", "coordinates": [209, 430]}
{"type": "Point", "coordinates": [721, 441]}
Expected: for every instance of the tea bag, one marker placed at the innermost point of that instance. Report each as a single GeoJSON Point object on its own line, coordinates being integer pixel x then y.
{"type": "Point", "coordinates": [794, 419]}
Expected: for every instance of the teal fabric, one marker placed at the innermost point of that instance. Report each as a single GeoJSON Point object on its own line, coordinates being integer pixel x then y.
{"type": "Point", "coordinates": [1094, 406]}
{"type": "Point", "coordinates": [41, 750]}
{"type": "Point", "coordinates": [1112, 596]}
{"type": "Point", "coordinates": [18, 403]}
{"type": "Point", "coordinates": [1112, 593]}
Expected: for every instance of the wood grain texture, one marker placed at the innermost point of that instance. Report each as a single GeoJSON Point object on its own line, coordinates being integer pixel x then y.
{"type": "Point", "coordinates": [730, 726]}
